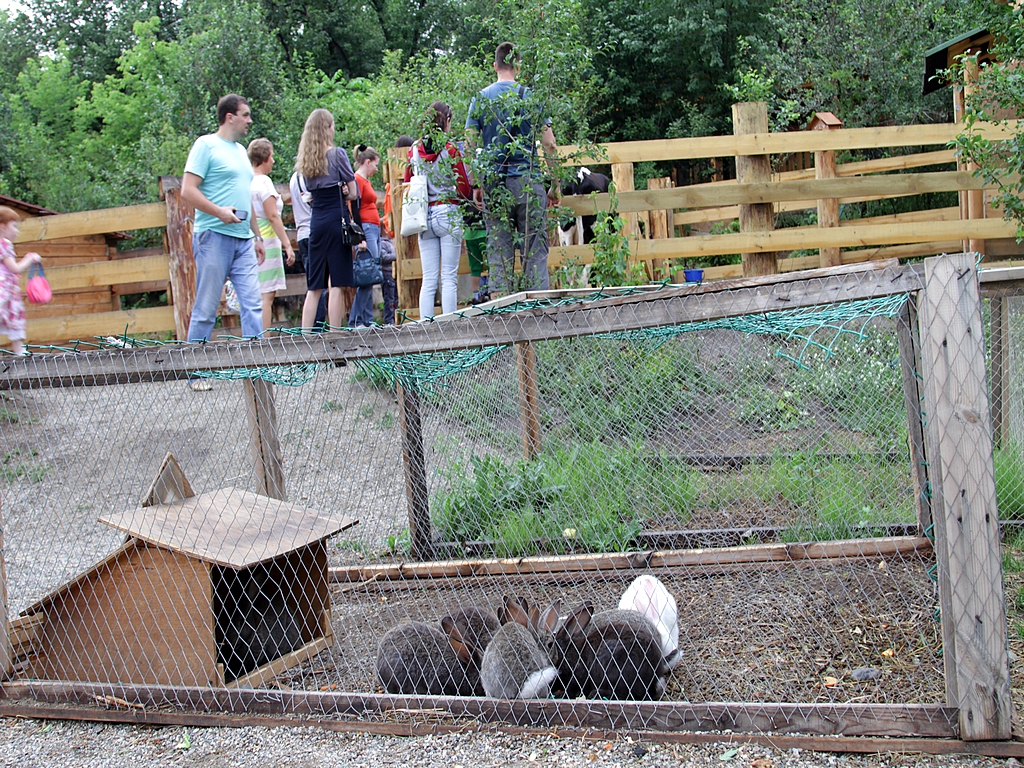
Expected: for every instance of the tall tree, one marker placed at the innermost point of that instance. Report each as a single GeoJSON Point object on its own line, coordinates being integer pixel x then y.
{"type": "Point", "coordinates": [96, 32]}
{"type": "Point", "coordinates": [861, 59]}
{"type": "Point", "coordinates": [660, 65]}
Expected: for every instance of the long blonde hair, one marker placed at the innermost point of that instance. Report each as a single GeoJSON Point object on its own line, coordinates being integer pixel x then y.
{"type": "Point", "coordinates": [311, 160]}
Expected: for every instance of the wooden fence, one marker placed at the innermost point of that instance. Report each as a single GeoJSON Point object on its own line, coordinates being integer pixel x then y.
{"type": "Point", "coordinates": [657, 218]}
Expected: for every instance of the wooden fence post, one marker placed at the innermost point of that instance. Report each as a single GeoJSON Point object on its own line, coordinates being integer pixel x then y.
{"type": "Point", "coordinates": [999, 335]}
{"type": "Point", "coordinates": [420, 535]}
{"type": "Point", "coordinates": [908, 333]}
{"type": "Point", "coordinates": [265, 446]}
{"type": "Point", "coordinates": [959, 442]}
{"type": "Point", "coordinates": [406, 248]}
{"type": "Point", "coordinates": [622, 175]}
{"type": "Point", "coordinates": [529, 397]}
{"type": "Point", "coordinates": [181, 261]}
{"type": "Point", "coordinates": [660, 229]}
{"type": "Point", "coordinates": [752, 117]}
{"type": "Point", "coordinates": [975, 197]}
{"type": "Point", "coordinates": [825, 168]}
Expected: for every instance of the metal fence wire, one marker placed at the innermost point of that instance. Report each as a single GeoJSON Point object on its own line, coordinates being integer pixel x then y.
{"type": "Point", "coordinates": [703, 506]}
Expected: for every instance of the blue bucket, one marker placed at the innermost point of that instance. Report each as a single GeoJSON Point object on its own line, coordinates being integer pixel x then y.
{"type": "Point", "coordinates": [693, 275]}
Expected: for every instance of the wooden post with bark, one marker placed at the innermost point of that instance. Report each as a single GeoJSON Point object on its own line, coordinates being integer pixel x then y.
{"type": "Point", "coordinates": [752, 117]}
{"type": "Point", "coordinates": [267, 461]}
{"type": "Point", "coordinates": [975, 197]}
{"type": "Point", "coordinates": [414, 458]}
{"type": "Point", "coordinates": [181, 260]}
{"type": "Point", "coordinates": [529, 397]}
{"type": "Point", "coordinates": [908, 333]}
{"type": "Point", "coordinates": [406, 248]}
{"type": "Point", "coordinates": [825, 168]}
{"type": "Point", "coordinates": [967, 546]}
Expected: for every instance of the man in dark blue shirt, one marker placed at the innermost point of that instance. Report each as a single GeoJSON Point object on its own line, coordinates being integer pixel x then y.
{"type": "Point", "coordinates": [502, 116]}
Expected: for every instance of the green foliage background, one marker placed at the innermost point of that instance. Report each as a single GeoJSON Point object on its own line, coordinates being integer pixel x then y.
{"type": "Point", "coordinates": [99, 97]}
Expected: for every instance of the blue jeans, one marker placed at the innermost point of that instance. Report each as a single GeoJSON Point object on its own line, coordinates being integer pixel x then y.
{"type": "Point", "coordinates": [440, 251]}
{"type": "Point", "coordinates": [362, 304]}
{"type": "Point", "coordinates": [219, 257]}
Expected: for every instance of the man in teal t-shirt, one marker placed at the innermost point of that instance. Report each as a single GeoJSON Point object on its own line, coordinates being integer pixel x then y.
{"type": "Point", "coordinates": [226, 243]}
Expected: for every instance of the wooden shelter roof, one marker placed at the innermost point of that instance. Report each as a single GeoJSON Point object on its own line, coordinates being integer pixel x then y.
{"type": "Point", "coordinates": [228, 527]}
{"type": "Point", "coordinates": [942, 56]}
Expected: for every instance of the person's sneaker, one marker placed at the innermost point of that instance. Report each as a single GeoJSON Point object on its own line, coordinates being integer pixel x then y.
{"type": "Point", "coordinates": [480, 297]}
{"type": "Point", "coordinates": [200, 385]}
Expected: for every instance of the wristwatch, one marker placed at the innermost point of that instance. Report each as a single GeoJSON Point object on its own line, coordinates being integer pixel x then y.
{"type": "Point", "coordinates": [258, 238]}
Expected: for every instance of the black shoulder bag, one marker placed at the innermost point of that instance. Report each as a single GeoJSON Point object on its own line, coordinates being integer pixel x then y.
{"type": "Point", "coordinates": [366, 269]}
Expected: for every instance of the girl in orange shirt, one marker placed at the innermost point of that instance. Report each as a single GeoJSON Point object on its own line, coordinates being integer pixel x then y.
{"type": "Point", "coordinates": [367, 160]}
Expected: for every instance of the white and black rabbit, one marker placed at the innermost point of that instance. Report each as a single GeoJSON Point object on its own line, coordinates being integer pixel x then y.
{"type": "Point", "coordinates": [415, 658]}
{"type": "Point", "coordinates": [516, 664]}
{"type": "Point", "coordinates": [613, 654]}
{"type": "Point", "coordinates": [651, 598]}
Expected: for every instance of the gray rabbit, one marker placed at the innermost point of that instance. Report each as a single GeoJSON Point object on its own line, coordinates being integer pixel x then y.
{"type": "Point", "coordinates": [613, 654]}
{"type": "Point", "coordinates": [477, 625]}
{"type": "Point", "coordinates": [516, 664]}
{"type": "Point", "coordinates": [415, 658]}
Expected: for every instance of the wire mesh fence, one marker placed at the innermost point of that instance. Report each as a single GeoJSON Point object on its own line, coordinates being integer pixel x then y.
{"type": "Point", "coordinates": [686, 496]}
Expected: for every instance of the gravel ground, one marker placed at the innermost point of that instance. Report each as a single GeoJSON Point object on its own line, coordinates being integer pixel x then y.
{"type": "Point", "coordinates": [39, 743]}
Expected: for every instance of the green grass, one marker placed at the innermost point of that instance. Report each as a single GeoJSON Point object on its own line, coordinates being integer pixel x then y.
{"type": "Point", "coordinates": [620, 390]}
{"type": "Point", "coordinates": [590, 497]}
{"type": "Point", "coordinates": [1009, 469]}
{"type": "Point", "coordinates": [13, 467]}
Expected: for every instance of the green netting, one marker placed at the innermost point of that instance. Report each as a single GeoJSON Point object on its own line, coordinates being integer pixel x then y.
{"type": "Point", "coordinates": [828, 323]}
{"type": "Point", "coordinates": [819, 327]}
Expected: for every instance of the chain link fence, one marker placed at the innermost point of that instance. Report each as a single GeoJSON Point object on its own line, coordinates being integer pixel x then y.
{"type": "Point", "coordinates": [448, 515]}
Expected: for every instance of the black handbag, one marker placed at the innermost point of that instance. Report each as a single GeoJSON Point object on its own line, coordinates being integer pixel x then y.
{"type": "Point", "coordinates": [351, 231]}
{"type": "Point", "coordinates": [366, 269]}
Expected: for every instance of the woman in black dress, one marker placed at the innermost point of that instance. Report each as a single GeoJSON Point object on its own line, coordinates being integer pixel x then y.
{"type": "Point", "coordinates": [330, 180]}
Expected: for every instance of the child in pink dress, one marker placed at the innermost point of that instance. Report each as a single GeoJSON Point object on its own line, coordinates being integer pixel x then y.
{"type": "Point", "coordinates": [12, 310]}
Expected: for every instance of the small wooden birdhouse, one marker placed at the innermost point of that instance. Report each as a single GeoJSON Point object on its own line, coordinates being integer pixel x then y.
{"type": "Point", "coordinates": [224, 588]}
{"type": "Point", "coordinates": [824, 121]}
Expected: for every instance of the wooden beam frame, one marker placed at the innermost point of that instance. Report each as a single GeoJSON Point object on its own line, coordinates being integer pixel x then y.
{"type": "Point", "coordinates": [921, 720]}
{"type": "Point", "coordinates": [706, 560]}
{"type": "Point", "coordinates": [668, 306]}
{"type": "Point", "coordinates": [784, 143]}
{"type": "Point", "coordinates": [959, 441]}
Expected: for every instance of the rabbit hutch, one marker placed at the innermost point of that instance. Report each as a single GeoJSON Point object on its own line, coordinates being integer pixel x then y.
{"type": "Point", "coordinates": [803, 460]}
{"type": "Point", "coordinates": [222, 588]}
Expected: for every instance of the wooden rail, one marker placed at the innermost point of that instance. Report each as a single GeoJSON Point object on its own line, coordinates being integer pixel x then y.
{"type": "Point", "coordinates": [659, 150]}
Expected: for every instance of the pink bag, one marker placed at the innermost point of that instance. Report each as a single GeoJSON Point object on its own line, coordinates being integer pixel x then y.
{"type": "Point", "coordinates": [37, 288]}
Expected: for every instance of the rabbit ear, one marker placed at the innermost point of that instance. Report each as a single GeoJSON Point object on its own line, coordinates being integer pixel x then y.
{"type": "Point", "coordinates": [462, 649]}
{"type": "Point", "coordinates": [518, 614]}
{"type": "Point", "coordinates": [579, 620]}
{"type": "Point", "coordinates": [549, 619]}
